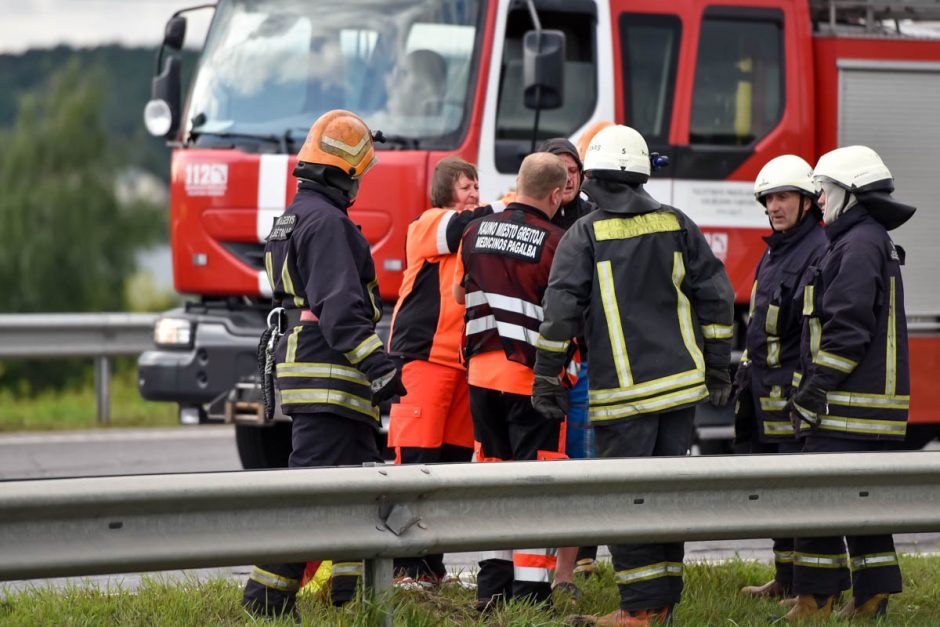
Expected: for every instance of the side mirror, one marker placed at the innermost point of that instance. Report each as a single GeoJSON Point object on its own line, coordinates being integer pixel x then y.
{"type": "Point", "coordinates": [543, 67]}
{"type": "Point", "coordinates": [175, 32]}
{"type": "Point", "coordinates": [162, 113]}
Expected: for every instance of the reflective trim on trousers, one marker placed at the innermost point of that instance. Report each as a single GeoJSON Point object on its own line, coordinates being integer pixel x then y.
{"type": "Point", "coordinates": [347, 569]}
{"type": "Point", "coordinates": [873, 560]}
{"type": "Point", "coordinates": [645, 573]}
{"type": "Point", "coordinates": [783, 557]}
{"type": "Point", "coordinates": [272, 580]}
{"type": "Point", "coordinates": [777, 427]}
{"type": "Point", "coordinates": [817, 560]}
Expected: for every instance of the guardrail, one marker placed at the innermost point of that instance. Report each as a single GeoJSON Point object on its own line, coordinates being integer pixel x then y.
{"type": "Point", "coordinates": [98, 335]}
{"type": "Point", "coordinates": [88, 526]}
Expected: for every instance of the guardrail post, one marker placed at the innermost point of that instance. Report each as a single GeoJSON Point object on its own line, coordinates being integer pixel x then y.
{"type": "Point", "coordinates": [103, 388]}
{"type": "Point", "coordinates": [377, 577]}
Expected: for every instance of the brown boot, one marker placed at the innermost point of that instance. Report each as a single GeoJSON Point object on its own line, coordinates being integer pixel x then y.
{"type": "Point", "coordinates": [788, 601]}
{"type": "Point", "coordinates": [875, 606]}
{"type": "Point", "coordinates": [636, 618]}
{"type": "Point", "coordinates": [771, 589]}
{"type": "Point", "coordinates": [809, 607]}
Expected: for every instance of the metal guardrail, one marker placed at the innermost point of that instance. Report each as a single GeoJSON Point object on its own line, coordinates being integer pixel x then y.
{"type": "Point", "coordinates": [88, 526]}
{"type": "Point", "coordinates": [98, 335]}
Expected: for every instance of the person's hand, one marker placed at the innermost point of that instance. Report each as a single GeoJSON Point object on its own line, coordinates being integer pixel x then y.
{"type": "Point", "coordinates": [718, 382]}
{"type": "Point", "coordinates": [549, 397]}
{"type": "Point", "coordinates": [808, 404]}
{"type": "Point", "coordinates": [386, 386]}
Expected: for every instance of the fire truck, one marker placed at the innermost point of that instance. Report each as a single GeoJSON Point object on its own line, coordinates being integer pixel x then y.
{"type": "Point", "coordinates": [720, 86]}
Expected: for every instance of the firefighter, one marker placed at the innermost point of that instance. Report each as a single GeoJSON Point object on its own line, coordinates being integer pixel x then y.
{"type": "Point", "coordinates": [852, 388]}
{"type": "Point", "coordinates": [503, 268]}
{"type": "Point", "coordinates": [762, 425]}
{"type": "Point", "coordinates": [432, 422]}
{"type": "Point", "coordinates": [660, 309]}
{"type": "Point", "coordinates": [331, 368]}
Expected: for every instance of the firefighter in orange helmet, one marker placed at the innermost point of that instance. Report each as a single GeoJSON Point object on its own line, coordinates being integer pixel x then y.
{"type": "Point", "coordinates": [432, 422]}
{"type": "Point", "coordinates": [331, 368]}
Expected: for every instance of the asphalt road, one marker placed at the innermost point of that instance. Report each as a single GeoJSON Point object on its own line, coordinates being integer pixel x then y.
{"type": "Point", "coordinates": [212, 448]}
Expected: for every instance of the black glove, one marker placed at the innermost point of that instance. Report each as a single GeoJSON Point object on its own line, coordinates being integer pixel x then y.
{"type": "Point", "coordinates": [808, 405]}
{"type": "Point", "coordinates": [742, 377]}
{"type": "Point", "coordinates": [549, 397]}
{"type": "Point", "coordinates": [718, 382]}
{"type": "Point", "coordinates": [386, 386]}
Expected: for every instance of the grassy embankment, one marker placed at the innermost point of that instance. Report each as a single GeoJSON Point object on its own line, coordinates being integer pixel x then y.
{"type": "Point", "coordinates": [711, 598]}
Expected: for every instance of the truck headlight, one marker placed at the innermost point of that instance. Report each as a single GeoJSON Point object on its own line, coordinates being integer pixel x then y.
{"type": "Point", "coordinates": [173, 332]}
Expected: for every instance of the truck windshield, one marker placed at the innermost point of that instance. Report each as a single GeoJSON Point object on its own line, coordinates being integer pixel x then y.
{"type": "Point", "coordinates": [271, 67]}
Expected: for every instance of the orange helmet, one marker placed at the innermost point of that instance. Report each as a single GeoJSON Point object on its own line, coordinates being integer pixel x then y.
{"type": "Point", "coordinates": [588, 135]}
{"type": "Point", "coordinates": [341, 139]}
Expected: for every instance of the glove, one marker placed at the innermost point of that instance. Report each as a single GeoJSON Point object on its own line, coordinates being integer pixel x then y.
{"type": "Point", "coordinates": [742, 377]}
{"type": "Point", "coordinates": [549, 397]}
{"type": "Point", "coordinates": [387, 386]}
{"type": "Point", "coordinates": [718, 382]}
{"type": "Point", "coordinates": [807, 405]}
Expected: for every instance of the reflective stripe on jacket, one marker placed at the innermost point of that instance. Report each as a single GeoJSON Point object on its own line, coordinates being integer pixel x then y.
{"type": "Point", "coordinates": [776, 321]}
{"type": "Point", "coordinates": [506, 260]}
{"type": "Point", "coordinates": [854, 342]}
{"type": "Point", "coordinates": [317, 259]}
{"type": "Point", "coordinates": [658, 307]}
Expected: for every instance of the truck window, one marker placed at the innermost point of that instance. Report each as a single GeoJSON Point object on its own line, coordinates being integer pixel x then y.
{"type": "Point", "coordinates": [649, 48]}
{"type": "Point", "coordinates": [739, 94]}
{"type": "Point", "coordinates": [514, 123]}
{"type": "Point", "coordinates": [271, 67]}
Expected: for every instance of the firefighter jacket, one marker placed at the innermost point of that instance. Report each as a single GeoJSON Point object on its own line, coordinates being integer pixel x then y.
{"type": "Point", "coordinates": [854, 342]}
{"type": "Point", "coordinates": [317, 260]}
{"type": "Point", "coordinates": [775, 324]}
{"type": "Point", "coordinates": [506, 260]}
{"type": "Point", "coordinates": [427, 323]}
{"type": "Point", "coordinates": [656, 305]}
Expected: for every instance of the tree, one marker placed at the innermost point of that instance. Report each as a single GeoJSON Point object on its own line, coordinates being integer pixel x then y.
{"type": "Point", "coordinates": [65, 242]}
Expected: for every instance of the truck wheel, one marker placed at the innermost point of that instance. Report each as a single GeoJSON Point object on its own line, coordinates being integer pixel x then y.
{"type": "Point", "coordinates": [263, 447]}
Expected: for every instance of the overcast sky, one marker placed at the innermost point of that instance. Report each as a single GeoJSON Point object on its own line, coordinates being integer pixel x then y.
{"type": "Point", "coordinates": [28, 24]}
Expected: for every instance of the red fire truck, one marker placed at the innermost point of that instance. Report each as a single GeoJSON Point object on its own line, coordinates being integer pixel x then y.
{"type": "Point", "coordinates": [720, 86]}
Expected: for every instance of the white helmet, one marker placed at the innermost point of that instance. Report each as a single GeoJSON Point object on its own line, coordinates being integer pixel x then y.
{"type": "Point", "coordinates": [854, 168]}
{"type": "Point", "coordinates": [784, 173]}
{"type": "Point", "coordinates": [618, 149]}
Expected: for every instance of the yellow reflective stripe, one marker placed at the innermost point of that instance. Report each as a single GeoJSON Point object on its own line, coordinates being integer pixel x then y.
{"type": "Point", "coordinates": [717, 331]}
{"type": "Point", "coordinates": [874, 560]}
{"type": "Point", "coordinates": [685, 312]}
{"type": "Point", "coordinates": [772, 404]}
{"type": "Point", "coordinates": [645, 406]}
{"type": "Point", "coordinates": [815, 333]}
{"type": "Point", "coordinates": [783, 557]}
{"type": "Point", "coordinates": [744, 357]}
{"type": "Point", "coordinates": [366, 347]}
{"type": "Point", "coordinates": [307, 396]}
{"type": "Point", "coordinates": [795, 381]}
{"type": "Point", "coordinates": [777, 427]}
{"type": "Point", "coordinates": [808, 292]}
{"type": "Point", "coordinates": [347, 569]}
{"type": "Point", "coordinates": [618, 345]}
{"type": "Point", "coordinates": [819, 560]}
{"type": "Point", "coordinates": [770, 324]}
{"type": "Point", "coordinates": [292, 344]}
{"type": "Point", "coordinates": [831, 360]}
{"type": "Point", "coordinates": [322, 371]}
{"type": "Point", "coordinates": [643, 224]}
{"type": "Point", "coordinates": [846, 424]}
{"type": "Point", "coordinates": [750, 309]}
{"type": "Point", "coordinates": [272, 580]}
{"type": "Point", "coordinates": [651, 571]}
{"type": "Point", "coordinates": [551, 345]}
{"type": "Point", "coordinates": [891, 352]}
{"type": "Point", "coordinates": [376, 310]}
{"type": "Point", "coordinates": [878, 401]}
{"type": "Point", "coordinates": [269, 268]}
{"type": "Point", "coordinates": [289, 283]}
{"type": "Point", "coordinates": [773, 351]}
{"type": "Point", "coordinates": [664, 384]}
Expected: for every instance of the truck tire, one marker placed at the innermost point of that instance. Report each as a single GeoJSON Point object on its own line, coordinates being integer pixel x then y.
{"type": "Point", "coordinates": [263, 447]}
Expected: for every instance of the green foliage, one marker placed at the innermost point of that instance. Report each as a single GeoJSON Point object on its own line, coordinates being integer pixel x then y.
{"type": "Point", "coordinates": [712, 597]}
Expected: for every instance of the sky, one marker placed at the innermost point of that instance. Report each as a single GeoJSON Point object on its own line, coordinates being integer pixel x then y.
{"type": "Point", "coordinates": [28, 24]}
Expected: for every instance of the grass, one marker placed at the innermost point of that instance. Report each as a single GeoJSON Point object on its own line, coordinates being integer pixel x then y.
{"type": "Point", "coordinates": [76, 408]}
{"type": "Point", "coordinates": [711, 598]}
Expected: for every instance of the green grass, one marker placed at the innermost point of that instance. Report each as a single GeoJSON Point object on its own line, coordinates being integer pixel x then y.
{"type": "Point", "coordinates": [711, 598]}
{"type": "Point", "coordinates": [76, 408]}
